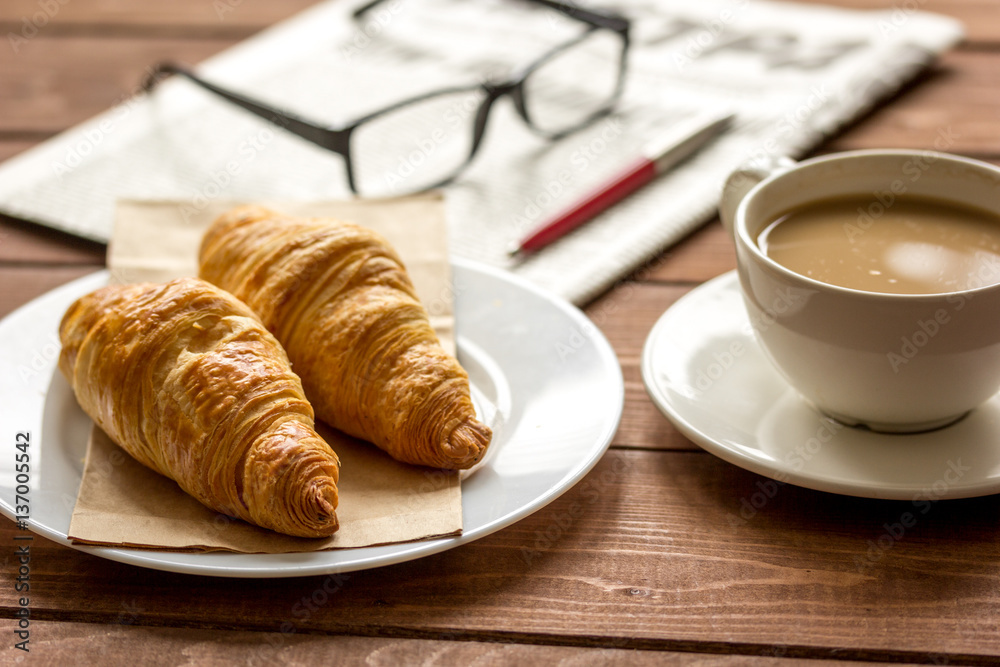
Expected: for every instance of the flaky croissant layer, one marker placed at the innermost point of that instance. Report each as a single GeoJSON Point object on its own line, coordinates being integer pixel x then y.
{"type": "Point", "coordinates": [187, 380]}
{"type": "Point", "coordinates": [337, 296]}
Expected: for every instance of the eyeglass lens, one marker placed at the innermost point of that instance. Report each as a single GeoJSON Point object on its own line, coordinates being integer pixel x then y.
{"type": "Point", "coordinates": [575, 83]}
{"type": "Point", "coordinates": [421, 144]}
{"type": "Point", "coordinates": [415, 146]}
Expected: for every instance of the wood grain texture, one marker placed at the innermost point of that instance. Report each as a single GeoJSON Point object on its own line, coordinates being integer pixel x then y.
{"type": "Point", "coordinates": [625, 315]}
{"type": "Point", "coordinates": [948, 108]}
{"type": "Point", "coordinates": [18, 286]}
{"type": "Point", "coordinates": [23, 243]}
{"type": "Point", "coordinates": [122, 643]}
{"type": "Point", "coordinates": [651, 551]}
{"type": "Point", "coordinates": [178, 16]}
{"type": "Point", "coordinates": [52, 84]}
{"type": "Point", "coordinates": [705, 254]}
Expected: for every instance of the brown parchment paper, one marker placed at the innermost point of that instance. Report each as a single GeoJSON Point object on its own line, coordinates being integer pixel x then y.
{"type": "Point", "coordinates": [123, 503]}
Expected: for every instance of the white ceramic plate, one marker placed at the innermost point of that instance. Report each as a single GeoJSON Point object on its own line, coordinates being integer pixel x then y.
{"type": "Point", "coordinates": [542, 375]}
{"type": "Point", "coordinates": [703, 368]}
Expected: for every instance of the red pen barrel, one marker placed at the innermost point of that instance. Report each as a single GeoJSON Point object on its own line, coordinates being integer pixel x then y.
{"type": "Point", "coordinates": [639, 174]}
{"type": "Point", "coordinates": [660, 156]}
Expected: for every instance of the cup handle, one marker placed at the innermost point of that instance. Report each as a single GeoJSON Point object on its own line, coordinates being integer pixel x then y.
{"type": "Point", "coordinates": [741, 181]}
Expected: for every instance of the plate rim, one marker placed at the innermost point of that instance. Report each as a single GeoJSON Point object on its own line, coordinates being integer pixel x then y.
{"type": "Point", "coordinates": [396, 553]}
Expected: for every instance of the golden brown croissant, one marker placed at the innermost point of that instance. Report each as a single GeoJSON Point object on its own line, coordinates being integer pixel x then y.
{"type": "Point", "coordinates": [338, 298]}
{"type": "Point", "coordinates": [186, 379]}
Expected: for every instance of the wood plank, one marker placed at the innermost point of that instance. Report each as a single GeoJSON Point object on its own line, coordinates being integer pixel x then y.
{"type": "Point", "coordinates": [952, 108]}
{"type": "Point", "coordinates": [23, 243]}
{"type": "Point", "coordinates": [643, 426]}
{"type": "Point", "coordinates": [122, 643]}
{"type": "Point", "coordinates": [625, 316]}
{"type": "Point", "coordinates": [705, 254]}
{"type": "Point", "coordinates": [244, 16]}
{"type": "Point", "coordinates": [53, 84]}
{"type": "Point", "coordinates": [653, 550]}
{"type": "Point", "coordinates": [18, 286]}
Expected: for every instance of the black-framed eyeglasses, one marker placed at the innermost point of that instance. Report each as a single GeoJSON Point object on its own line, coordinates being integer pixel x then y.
{"type": "Point", "coordinates": [426, 141]}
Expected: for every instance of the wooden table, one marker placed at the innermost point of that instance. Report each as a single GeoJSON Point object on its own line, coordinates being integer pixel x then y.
{"type": "Point", "coordinates": [656, 571]}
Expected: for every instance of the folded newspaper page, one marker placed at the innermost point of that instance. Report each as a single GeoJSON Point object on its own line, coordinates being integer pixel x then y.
{"type": "Point", "coordinates": [791, 74]}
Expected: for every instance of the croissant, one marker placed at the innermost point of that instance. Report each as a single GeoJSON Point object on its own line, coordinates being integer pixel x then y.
{"type": "Point", "coordinates": [185, 378]}
{"type": "Point", "coordinates": [337, 296]}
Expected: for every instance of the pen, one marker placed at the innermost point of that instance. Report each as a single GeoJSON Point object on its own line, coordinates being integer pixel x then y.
{"type": "Point", "coordinates": [658, 157]}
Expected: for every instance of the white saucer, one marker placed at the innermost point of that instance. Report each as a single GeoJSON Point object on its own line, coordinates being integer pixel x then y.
{"type": "Point", "coordinates": [553, 417]}
{"type": "Point", "coordinates": [704, 370]}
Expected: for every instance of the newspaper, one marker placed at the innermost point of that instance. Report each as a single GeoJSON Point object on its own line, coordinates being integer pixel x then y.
{"type": "Point", "coordinates": [792, 74]}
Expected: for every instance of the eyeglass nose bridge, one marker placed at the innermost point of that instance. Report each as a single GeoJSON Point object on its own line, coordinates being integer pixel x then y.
{"type": "Point", "coordinates": [494, 90]}
{"type": "Point", "coordinates": [514, 88]}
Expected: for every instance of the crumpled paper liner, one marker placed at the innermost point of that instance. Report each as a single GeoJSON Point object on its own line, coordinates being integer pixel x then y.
{"type": "Point", "coordinates": [382, 501]}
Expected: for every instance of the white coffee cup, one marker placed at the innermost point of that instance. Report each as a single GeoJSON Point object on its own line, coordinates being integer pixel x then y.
{"type": "Point", "coordinates": [892, 362]}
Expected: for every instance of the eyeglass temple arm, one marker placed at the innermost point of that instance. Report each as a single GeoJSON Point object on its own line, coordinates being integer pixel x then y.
{"type": "Point", "coordinates": [599, 19]}
{"type": "Point", "coordinates": [330, 138]}
{"type": "Point", "coordinates": [575, 11]}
